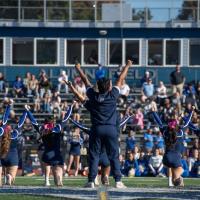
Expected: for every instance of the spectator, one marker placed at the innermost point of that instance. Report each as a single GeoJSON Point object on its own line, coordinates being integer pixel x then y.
{"type": "Point", "coordinates": [45, 86]}
{"type": "Point", "coordinates": [80, 86]}
{"type": "Point", "coordinates": [196, 168]}
{"type": "Point", "coordinates": [176, 101]}
{"type": "Point", "coordinates": [131, 167]}
{"type": "Point", "coordinates": [46, 103]}
{"type": "Point", "coordinates": [3, 85]}
{"type": "Point", "coordinates": [167, 110]}
{"type": "Point", "coordinates": [185, 167]}
{"type": "Point", "coordinates": [33, 86]}
{"type": "Point", "coordinates": [124, 91]}
{"type": "Point", "coordinates": [130, 142]}
{"type": "Point", "coordinates": [161, 93]}
{"type": "Point", "coordinates": [159, 140]}
{"type": "Point", "coordinates": [63, 107]}
{"type": "Point", "coordinates": [192, 160]}
{"type": "Point", "coordinates": [26, 82]}
{"type": "Point", "coordinates": [61, 81]}
{"type": "Point", "coordinates": [148, 140]}
{"type": "Point", "coordinates": [18, 87]}
{"type": "Point", "coordinates": [156, 165]}
{"type": "Point", "coordinates": [76, 112]}
{"type": "Point", "coordinates": [146, 77]}
{"type": "Point", "coordinates": [136, 151]}
{"type": "Point", "coordinates": [189, 95]}
{"type": "Point", "coordinates": [138, 120]}
{"type": "Point", "coordinates": [56, 104]}
{"type": "Point", "coordinates": [147, 90]}
{"type": "Point", "coordinates": [122, 162]}
{"type": "Point", "coordinates": [143, 164]}
{"type": "Point", "coordinates": [177, 80]}
{"type": "Point", "coordinates": [37, 101]}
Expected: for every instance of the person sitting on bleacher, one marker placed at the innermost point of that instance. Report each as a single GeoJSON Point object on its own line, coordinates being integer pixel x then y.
{"type": "Point", "coordinates": [130, 141]}
{"type": "Point", "coordinates": [156, 164]}
{"type": "Point", "coordinates": [185, 166]}
{"type": "Point", "coordinates": [192, 160]}
{"type": "Point", "coordinates": [131, 167]}
{"type": "Point", "coordinates": [147, 90]}
{"type": "Point", "coordinates": [196, 168]}
{"type": "Point", "coordinates": [148, 140]}
{"type": "Point", "coordinates": [143, 164]}
{"type": "Point", "coordinates": [18, 87]}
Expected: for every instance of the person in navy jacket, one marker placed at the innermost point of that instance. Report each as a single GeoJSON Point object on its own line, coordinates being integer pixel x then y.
{"type": "Point", "coordinates": [172, 134]}
{"type": "Point", "coordinates": [50, 135]}
{"type": "Point", "coordinates": [8, 143]}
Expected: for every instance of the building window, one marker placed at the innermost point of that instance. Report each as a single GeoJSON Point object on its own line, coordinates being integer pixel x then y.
{"type": "Point", "coordinates": [155, 52]}
{"type": "Point", "coordinates": [132, 51]}
{"type": "Point", "coordinates": [115, 52]}
{"type": "Point", "coordinates": [1, 51]}
{"type": "Point", "coordinates": [22, 51]}
{"type": "Point", "coordinates": [47, 50]}
{"type": "Point", "coordinates": [172, 52]}
{"type": "Point", "coordinates": [73, 51]}
{"type": "Point", "coordinates": [90, 52]}
{"type": "Point", "coordinates": [194, 52]}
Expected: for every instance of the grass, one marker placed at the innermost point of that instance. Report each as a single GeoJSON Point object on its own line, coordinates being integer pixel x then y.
{"type": "Point", "coordinates": [129, 182]}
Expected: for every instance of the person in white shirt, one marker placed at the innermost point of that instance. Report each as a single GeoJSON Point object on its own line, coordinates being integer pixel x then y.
{"type": "Point", "coordinates": [124, 90]}
{"type": "Point", "coordinates": [161, 93]}
{"type": "Point", "coordinates": [61, 81]}
{"type": "Point", "coordinates": [155, 164]}
{"type": "Point", "coordinates": [192, 159]}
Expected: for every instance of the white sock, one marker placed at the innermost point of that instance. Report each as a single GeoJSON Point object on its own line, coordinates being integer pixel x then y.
{"type": "Point", "coordinates": [170, 183]}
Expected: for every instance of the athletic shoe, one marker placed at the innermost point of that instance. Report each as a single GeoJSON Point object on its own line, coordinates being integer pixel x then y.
{"type": "Point", "coordinates": [27, 107]}
{"type": "Point", "coordinates": [105, 180]}
{"type": "Point", "coordinates": [47, 183]}
{"type": "Point", "coordinates": [8, 179]}
{"type": "Point", "coordinates": [161, 175]}
{"type": "Point", "coordinates": [120, 185]}
{"type": "Point", "coordinates": [96, 181]}
{"type": "Point", "coordinates": [89, 185]}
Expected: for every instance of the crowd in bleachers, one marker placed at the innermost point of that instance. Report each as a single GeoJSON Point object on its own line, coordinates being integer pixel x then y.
{"type": "Point", "coordinates": [140, 157]}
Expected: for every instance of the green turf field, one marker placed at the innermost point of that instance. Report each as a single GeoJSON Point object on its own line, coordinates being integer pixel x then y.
{"type": "Point", "coordinates": [130, 182]}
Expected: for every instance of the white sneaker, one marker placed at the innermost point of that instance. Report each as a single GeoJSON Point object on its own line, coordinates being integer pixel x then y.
{"type": "Point", "coordinates": [47, 183]}
{"type": "Point", "coordinates": [89, 185]}
{"type": "Point", "coordinates": [96, 181]}
{"type": "Point", "coordinates": [161, 175]}
{"type": "Point", "coordinates": [27, 107]}
{"type": "Point", "coordinates": [120, 185]}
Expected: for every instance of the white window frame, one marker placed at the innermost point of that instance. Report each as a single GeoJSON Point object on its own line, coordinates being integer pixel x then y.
{"type": "Point", "coordinates": [181, 51]}
{"type": "Point", "coordinates": [124, 51]}
{"type": "Point", "coordinates": [4, 50]}
{"type": "Point", "coordinates": [147, 52]}
{"type": "Point", "coordinates": [108, 52]}
{"type": "Point", "coordinates": [197, 66]}
{"type": "Point", "coordinates": [82, 51]}
{"type": "Point", "coordinates": [58, 51]}
{"type": "Point", "coordinates": [11, 54]}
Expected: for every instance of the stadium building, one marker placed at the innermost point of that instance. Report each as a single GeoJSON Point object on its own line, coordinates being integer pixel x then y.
{"type": "Point", "coordinates": [54, 34]}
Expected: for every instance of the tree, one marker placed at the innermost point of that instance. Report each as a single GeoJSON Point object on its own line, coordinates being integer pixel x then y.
{"type": "Point", "coordinates": [188, 11]}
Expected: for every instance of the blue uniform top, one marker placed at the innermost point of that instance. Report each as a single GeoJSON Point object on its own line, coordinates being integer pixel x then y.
{"type": "Point", "coordinates": [102, 107]}
{"type": "Point", "coordinates": [178, 144]}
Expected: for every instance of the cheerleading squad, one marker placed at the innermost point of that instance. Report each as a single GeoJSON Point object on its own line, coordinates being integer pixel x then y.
{"type": "Point", "coordinates": [101, 102]}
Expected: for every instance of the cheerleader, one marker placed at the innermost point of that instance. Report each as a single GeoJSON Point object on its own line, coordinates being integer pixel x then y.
{"type": "Point", "coordinates": [50, 135]}
{"type": "Point", "coordinates": [103, 159]}
{"type": "Point", "coordinates": [172, 134]}
{"type": "Point", "coordinates": [75, 141]}
{"type": "Point", "coordinates": [8, 144]}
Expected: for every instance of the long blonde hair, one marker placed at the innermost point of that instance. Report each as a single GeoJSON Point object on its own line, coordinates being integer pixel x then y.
{"type": "Point", "coordinates": [5, 142]}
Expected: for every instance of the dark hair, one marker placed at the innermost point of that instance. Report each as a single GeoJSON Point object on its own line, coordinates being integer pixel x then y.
{"type": "Point", "coordinates": [103, 85]}
{"type": "Point", "coordinates": [171, 138]}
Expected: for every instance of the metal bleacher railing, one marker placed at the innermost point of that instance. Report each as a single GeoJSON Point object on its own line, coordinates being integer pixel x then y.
{"type": "Point", "coordinates": [123, 11]}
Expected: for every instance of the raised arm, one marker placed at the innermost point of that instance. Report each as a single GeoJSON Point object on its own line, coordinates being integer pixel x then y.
{"type": "Point", "coordinates": [187, 119]}
{"type": "Point", "coordinates": [32, 119]}
{"type": "Point", "coordinates": [125, 119]}
{"type": "Point", "coordinates": [79, 125]}
{"type": "Point", "coordinates": [75, 92]}
{"type": "Point", "coordinates": [123, 74]}
{"type": "Point", "coordinates": [82, 75]}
